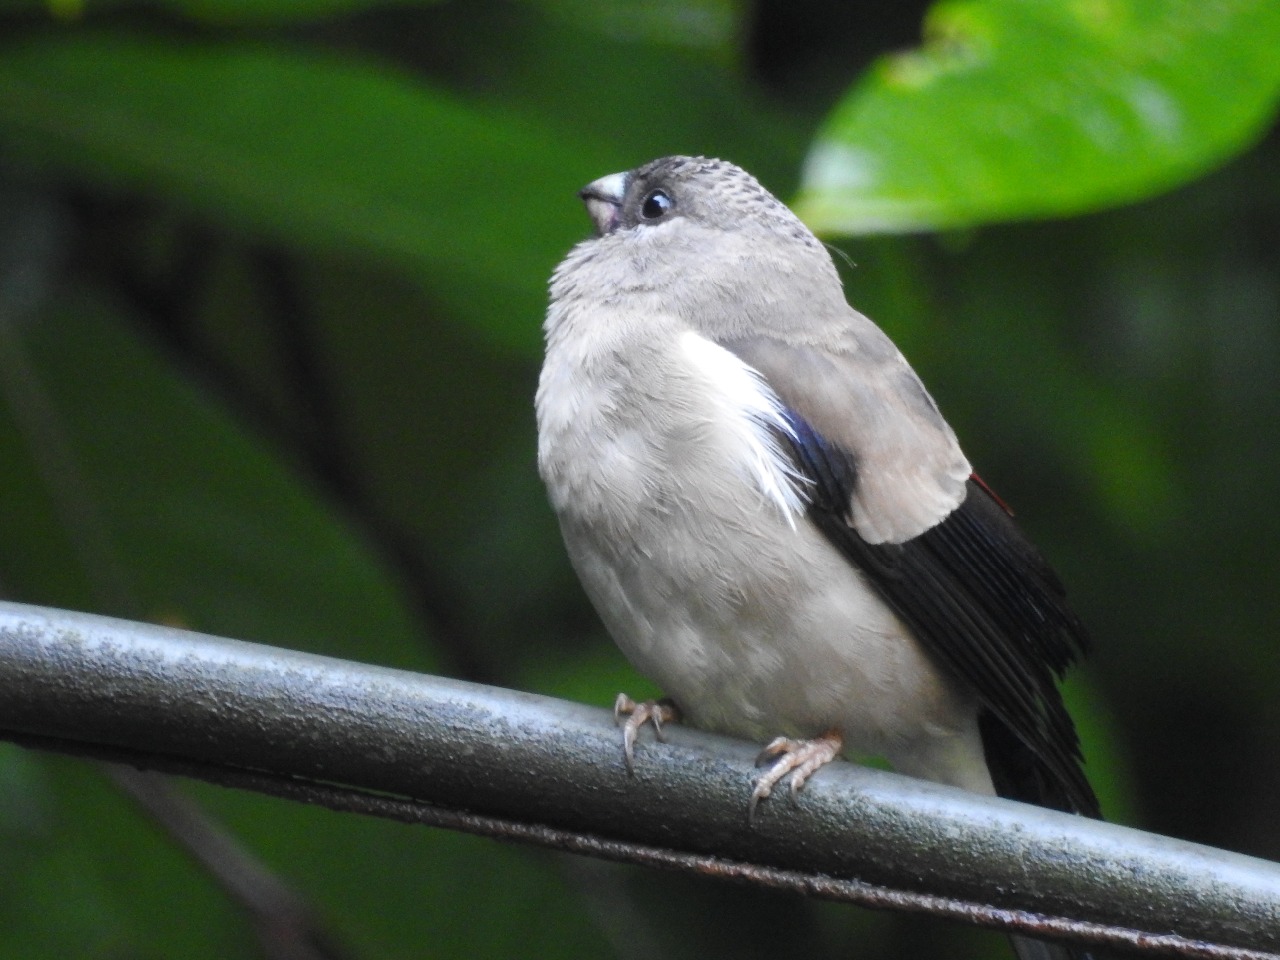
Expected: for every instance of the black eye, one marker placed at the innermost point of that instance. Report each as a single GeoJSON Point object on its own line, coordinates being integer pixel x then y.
{"type": "Point", "coordinates": [656, 204]}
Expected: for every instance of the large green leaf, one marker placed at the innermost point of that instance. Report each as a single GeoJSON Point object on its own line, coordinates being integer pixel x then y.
{"type": "Point", "coordinates": [328, 153]}
{"type": "Point", "coordinates": [1035, 108]}
{"type": "Point", "coordinates": [197, 522]}
{"type": "Point", "coordinates": [210, 529]}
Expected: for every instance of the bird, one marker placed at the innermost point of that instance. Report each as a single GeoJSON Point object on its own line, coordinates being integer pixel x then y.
{"type": "Point", "coordinates": [773, 519]}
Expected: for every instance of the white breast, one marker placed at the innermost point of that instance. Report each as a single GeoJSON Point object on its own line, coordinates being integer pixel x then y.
{"type": "Point", "coordinates": [744, 408]}
{"type": "Point", "coordinates": [686, 524]}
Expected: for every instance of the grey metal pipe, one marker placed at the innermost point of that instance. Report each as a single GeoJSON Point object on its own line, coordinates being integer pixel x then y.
{"type": "Point", "coordinates": [162, 692]}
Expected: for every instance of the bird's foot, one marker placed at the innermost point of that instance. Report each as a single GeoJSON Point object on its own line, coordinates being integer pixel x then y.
{"type": "Point", "coordinates": [799, 758]}
{"type": "Point", "coordinates": [652, 712]}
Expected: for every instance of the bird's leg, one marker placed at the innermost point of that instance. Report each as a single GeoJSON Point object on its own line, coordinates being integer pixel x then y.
{"type": "Point", "coordinates": [653, 712]}
{"type": "Point", "coordinates": [800, 758]}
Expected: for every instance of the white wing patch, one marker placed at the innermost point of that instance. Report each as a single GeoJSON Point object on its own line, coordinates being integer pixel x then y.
{"type": "Point", "coordinates": [749, 411]}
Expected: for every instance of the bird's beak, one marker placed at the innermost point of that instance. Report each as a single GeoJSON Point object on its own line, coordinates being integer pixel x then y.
{"type": "Point", "coordinates": [603, 198]}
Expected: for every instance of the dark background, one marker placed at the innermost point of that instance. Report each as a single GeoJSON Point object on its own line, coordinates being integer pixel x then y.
{"type": "Point", "coordinates": [271, 281]}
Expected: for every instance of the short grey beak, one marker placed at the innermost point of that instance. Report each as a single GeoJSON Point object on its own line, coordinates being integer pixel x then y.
{"type": "Point", "coordinates": [603, 198]}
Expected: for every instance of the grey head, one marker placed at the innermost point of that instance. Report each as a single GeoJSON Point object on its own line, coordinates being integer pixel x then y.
{"type": "Point", "coordinates": [706, 241]}
{"type": "Point", "coordinates": [709, 193]}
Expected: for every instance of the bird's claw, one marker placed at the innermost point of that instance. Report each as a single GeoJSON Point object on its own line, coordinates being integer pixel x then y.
{"type": "Point", "coordinates": [799, 758]}
{"type": "Point", "coordinates": [653, 712]}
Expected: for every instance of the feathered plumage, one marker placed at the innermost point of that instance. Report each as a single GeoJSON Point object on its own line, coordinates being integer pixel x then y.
{"type": "Point", "coordinates": [771, 515]}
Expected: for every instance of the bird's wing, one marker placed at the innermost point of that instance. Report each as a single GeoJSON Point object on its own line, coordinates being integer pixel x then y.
{"type": "Point", "coordinates": [863, 397]}
{"type": "Point", "coordinates": [972, 588]}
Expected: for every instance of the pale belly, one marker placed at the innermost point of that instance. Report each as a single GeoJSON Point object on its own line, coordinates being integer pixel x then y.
{"type": "Point", "coordinates": [737, 607]}
{"type": "Point", "coordinates": [756, 628]}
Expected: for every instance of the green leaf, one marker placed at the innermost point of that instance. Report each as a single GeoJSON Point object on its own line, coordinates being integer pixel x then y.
{"type": "Point", "coordinates": [1017, 109]}
{"type": "Point", "coordinates": [572, 74]}
{"type": "Point", "coordinates": [197, 523]}
{"type": "Point", "coordinates": [96, 878]}
{"type": "Point", "coordinates": [712, 25]}
{"type": "Point", "coordinates": [331, 154]}
{"type": "Point", "coordinates": [217, 12]}
{"type": "Point", "coordinates": [210, 530]}
{"type": "Point", "coordinates": [253, 12]}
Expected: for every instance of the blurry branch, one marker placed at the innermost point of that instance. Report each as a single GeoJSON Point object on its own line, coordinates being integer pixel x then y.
{"type": "Point", "coordinates": [516, 766]}
{"type": "Point", "coordinates": [300, 415]}
{"type": "Point", "coordinates": [33, 246]}
{"type": "Point", "coordinates": [318, 439]}
{"type": "Point", "coordinates": [285, 924]}
{"type": "Point", "coordinates": [298, 360]}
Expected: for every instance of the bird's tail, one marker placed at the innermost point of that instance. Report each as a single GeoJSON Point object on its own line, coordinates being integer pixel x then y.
{"type": "Point", "coordinates": [1018, 774]}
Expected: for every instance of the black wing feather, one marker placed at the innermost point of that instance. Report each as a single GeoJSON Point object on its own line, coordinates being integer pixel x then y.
{"type": "Point", "coordinates": [983, 601]}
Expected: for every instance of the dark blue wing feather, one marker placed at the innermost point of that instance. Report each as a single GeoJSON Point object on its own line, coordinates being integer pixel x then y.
{"type": "Point", "coordinates": [983, 601]}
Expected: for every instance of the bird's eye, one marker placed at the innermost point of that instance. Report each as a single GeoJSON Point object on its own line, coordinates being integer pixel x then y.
{"type": "Point", "coordinates": [656, 204]}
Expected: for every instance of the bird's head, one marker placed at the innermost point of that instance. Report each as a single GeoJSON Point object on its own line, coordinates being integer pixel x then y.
{"type": "Point", "coordinates": [698, 236]}
{"type": "Point", "coordinates": [689, 192]}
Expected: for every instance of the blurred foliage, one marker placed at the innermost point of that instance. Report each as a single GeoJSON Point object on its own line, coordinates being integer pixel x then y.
{"type": "Point", "coordinates": [271, 280]}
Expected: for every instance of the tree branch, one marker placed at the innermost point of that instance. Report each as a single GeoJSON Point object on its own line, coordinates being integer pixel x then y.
{"type": "Point", "coordinates": [425, 749]}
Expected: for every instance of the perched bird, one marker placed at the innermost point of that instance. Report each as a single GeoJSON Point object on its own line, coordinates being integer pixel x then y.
{"type": "Point", "coordinates": [770, 514]}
